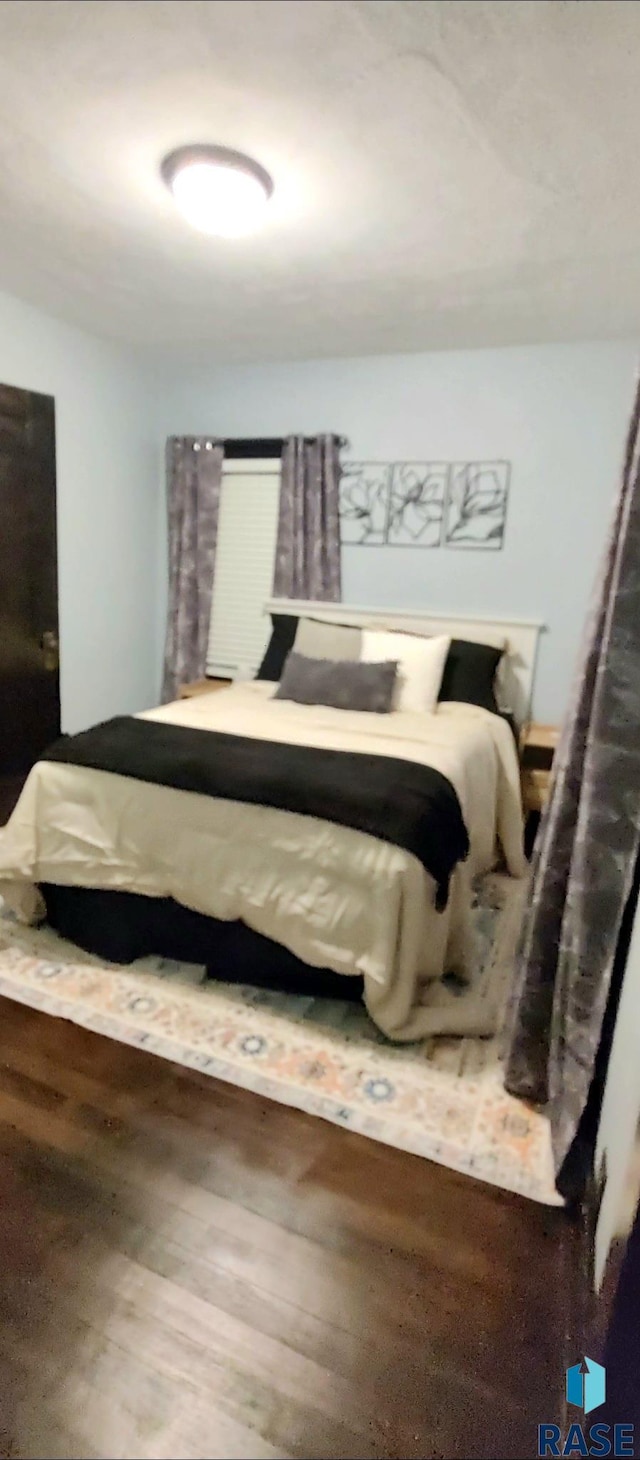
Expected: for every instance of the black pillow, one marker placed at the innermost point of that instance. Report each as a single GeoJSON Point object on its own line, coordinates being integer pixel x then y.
{"type": "Point", "coordinates": [283, 633]}
{"type": "Point", "coordinates": [469, 673]}
{"type": "Point", "coordinates": [342, 684]}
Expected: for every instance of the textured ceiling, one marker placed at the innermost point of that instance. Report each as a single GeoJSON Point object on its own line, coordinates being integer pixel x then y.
{"type": "Point", "coordinates": [446, 173]}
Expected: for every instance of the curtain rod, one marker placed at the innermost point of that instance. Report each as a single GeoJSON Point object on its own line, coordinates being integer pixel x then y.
{"type": "Point", "coordinates": [260, 446]}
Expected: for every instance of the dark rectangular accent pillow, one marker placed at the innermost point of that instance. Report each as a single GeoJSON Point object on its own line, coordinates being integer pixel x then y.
{"type": "Point", "coordinates": [342, 684]}
{"type": "Point", "coordinates": [283, 633]}
{"type": "Point", "coordinates": [469, 673]}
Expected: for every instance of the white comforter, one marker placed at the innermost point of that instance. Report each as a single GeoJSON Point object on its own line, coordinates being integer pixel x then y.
{"type": "Point", "coordinates": [336, 897]}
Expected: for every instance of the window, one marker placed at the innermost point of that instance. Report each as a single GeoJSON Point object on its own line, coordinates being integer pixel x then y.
{"type": "Point", "coordinates": [243, 577]}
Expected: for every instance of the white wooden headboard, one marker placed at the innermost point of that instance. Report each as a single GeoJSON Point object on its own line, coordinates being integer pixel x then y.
{"type": "Point", "coordinates": [517, 669]}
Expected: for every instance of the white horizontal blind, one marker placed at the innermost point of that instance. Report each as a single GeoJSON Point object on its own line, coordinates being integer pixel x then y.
{"type": "Point", "coordinates": [243, 577]}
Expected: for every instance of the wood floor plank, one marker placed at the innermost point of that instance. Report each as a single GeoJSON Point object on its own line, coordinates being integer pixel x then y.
{"type": "Point", "coordinates": [193, 1270]}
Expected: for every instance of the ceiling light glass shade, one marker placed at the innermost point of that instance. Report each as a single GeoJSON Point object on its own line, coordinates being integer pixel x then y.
{"type": "Point", "coordinates": [217, 190]}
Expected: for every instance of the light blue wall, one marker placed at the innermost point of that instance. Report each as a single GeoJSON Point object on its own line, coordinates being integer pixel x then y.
{"type": "Point", "coordinates": [557, 412]}
{"type": "Point", "coordinates": [107, 467]}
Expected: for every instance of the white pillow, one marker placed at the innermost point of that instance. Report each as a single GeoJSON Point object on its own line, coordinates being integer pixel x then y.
{"type": "Point", "coordinates": [420, 665]}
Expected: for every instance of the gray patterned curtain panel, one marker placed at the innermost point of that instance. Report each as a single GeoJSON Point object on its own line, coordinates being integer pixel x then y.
{"type": "Point", "coordinates": [308, 546]}
{"type": "Point", "coordinates": [586, 851]}
{"type": "Point", "coordinates": [194, 479]}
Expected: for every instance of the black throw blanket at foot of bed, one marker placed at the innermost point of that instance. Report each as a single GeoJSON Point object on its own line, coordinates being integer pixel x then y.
{"type": "Point", "coordinates": [412, 806]}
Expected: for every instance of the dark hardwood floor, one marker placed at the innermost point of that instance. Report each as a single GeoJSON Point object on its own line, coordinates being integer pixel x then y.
{"type": "Point", "coordinates": [190, 1270]}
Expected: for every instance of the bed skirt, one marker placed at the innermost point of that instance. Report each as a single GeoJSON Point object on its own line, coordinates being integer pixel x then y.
{"type": "Point", "coordinates": [122, 926]}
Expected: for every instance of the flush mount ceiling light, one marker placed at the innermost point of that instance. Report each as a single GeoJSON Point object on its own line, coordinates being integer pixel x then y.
{"type": "Point", "coordinates": [216, 189]}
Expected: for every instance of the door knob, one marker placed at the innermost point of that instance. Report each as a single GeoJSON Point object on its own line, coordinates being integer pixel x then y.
{"type": "Point", "coordinates": [50, 646]}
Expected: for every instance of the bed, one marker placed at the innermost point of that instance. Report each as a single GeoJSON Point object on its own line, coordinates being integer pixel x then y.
{"type": "Point", "coordinates": [333, 896]}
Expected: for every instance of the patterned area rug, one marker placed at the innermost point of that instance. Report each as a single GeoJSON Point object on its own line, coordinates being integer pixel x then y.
{"type": "Point", "coordinates": [442, 1099]}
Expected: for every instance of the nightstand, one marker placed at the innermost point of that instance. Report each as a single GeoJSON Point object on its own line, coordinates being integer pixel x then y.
{"type": "Point", "coordinates": [537, 748]}
{"type": "Point", "coordinates": [201, 687]}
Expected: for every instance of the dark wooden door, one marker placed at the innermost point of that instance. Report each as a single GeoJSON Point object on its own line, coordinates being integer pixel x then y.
{"type": "Point", "coordinates": [29, 677]}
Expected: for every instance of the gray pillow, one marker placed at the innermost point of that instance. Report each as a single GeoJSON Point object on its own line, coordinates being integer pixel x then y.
{"type": "Point", "coordinates": [317, 640]}
{"type": "Point", "coordinates": [339, 683]}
